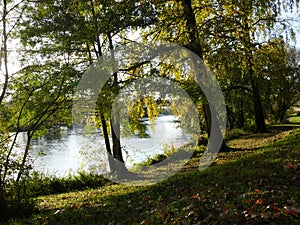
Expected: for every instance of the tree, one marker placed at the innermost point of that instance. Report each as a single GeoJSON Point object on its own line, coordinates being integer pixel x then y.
{"type": "Point", "coordinates": [235, 87]}
{"type": "Point", "coordinates": [82, 31]}
{"type": "Point", "coordinates": [278, 65]}
{"type": "Point", "coordinates": [240, 26]}
{"type": "Point", "coordinates": [12, 195]}
{"type": "Point", "coordinates": [178, 22]}
{"type": "Point", "coordinates": [78, 33]}
{"type": "Point", "coordinates": [11, 14]}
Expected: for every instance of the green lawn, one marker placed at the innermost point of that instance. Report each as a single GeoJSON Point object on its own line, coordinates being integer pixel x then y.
{"type": "Point", "coordinates": [294, 119]}
{"type": "Point", "coordinates": [256, 185]}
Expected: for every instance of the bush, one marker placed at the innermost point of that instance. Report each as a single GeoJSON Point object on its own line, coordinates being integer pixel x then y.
{"type": "Point", "coordinates": [171, 153]}
{"type": "Point", "coordinates": [18, 199]}
{"type": "Point", "coordinates": [45, 185]}
{"type": "Point", "coordinates": [202, 140]}
{"type": "Point", "coordinates": [15, 202]}
{"type": "Point", "coordinates": [3, 208]}
{"type": "Point", "coordinates": [199, 150]}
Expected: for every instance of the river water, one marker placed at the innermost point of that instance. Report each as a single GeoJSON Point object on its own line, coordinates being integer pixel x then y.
{"type": "Point", "coordinates": [75, 151]}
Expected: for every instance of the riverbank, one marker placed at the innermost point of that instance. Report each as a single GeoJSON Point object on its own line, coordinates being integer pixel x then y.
{"type": "Point", "coordinates": [257, 184]}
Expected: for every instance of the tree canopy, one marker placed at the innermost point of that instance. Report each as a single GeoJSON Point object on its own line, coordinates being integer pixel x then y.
{"type": "Point", "coordinates": [245, 43]}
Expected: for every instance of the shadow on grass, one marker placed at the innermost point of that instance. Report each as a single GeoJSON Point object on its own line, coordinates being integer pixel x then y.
{"type": "Point", "coordinates": [253, 189]}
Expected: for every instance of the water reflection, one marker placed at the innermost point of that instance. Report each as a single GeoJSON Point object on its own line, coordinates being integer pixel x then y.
{"type": "Point", "coordinates": [72, 150]}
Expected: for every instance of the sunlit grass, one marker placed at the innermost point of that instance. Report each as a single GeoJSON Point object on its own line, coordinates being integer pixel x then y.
{"type": "Point", "coordinates": [294, 119]}
{"type": "Point", "coordinates": [254, 141]}
{"type": "Point", "coordinates": [243, 187]}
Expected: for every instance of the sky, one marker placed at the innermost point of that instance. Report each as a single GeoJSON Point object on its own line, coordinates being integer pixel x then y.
{"type": "Point", "coordinates": [14, 64]}
{"type": "Point", "coordinates": [295, 25]}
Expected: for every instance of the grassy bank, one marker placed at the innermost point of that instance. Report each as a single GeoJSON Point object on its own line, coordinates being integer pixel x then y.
{"type": "Point", "coordinates": [258, 184]}
{"type": "Point", "coordinates": [294, 119]}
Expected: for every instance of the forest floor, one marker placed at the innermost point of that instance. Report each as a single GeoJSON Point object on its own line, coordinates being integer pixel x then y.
{"type": "Point", "coordinates": [256, 184]}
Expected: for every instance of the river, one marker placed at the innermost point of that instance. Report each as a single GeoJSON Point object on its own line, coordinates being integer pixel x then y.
{"type": "Point", "coordinates": [72, 150]}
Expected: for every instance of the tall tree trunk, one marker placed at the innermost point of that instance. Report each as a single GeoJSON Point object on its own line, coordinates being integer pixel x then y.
{"type": "Point", "coordinates": [258, 109]}
{"type": "Point", "coordinates": [210, 113]}
{"type": "Point", "coordinates": [196, 47]}
{"type": "Point", "coordinates": [115, 134]}
{"type": "Point", "coordinates": [115, 122]}
{"type": "Point", "coordinates": [3, 51]}
{"type": "Point", "coordinates": [117, 150]}
{"type": "Point", "coordinates": [111, 160]}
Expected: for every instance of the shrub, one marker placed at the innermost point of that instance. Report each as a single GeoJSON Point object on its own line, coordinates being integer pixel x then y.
{"type": "Point", "coordinates": [45, 185]}
{"type": "Point", "coordinates": [16, 201]}
{"type": "Point", "coordinates": [202, 140]}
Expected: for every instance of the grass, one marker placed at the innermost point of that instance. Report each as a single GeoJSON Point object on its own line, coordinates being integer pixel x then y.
{"type": "Point", "coordinates": [294, 119]}
{"type": "Point", "coordinates": [40, 184]}
{"type": "Point", "coordinates": [256, 185]}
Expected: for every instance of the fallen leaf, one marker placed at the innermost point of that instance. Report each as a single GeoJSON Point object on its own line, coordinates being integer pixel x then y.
{"type": "Point", "coordinates": [193, 213]}
{"type": "Point", "coordinates": [87, 204]}
{"type": "Point", "coordinates": [264, 215]}
{"type": "Point", "coordinates": [247, 200]}
{"type": "Point", "coordinates": [58, 212]}
{"type": "Point", "coordinates": [249, 213]}
{"type": "Point", "coordinates": [188, 207]}
{"type": "Point", "coordinates": [146, 222]}
{"type": "Point", "coordinates": [75, 205]}
{"type": "Point", "coordinates": [259, 201]}
{"type": "Point", "coordinates": [196, 197]}
{"type": "Point", "coordinates": [292, 211]}
{"type": "Point", "coordinates": [291, 166]}
{"type": "Point", "coordinates": [276, 209]}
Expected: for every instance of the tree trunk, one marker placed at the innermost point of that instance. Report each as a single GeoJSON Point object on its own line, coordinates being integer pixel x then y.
{"type": "Point", "coordinates": [21, 170]}
{"type": "Point", "coordinates": [7, 158]}
{"type": "Point", "coordinates": [116, 153]}
{"type": "Point", "coordinates": [3, 52]}
{"type": "Point", "coordinates": [111, 160]}
{"type": "Point", "coordinates": [117, 150]}
{"type": "Point", "coordinates": [196, 47]}
{"type": "Point", "coordinates": [115, 134]}
{"type": "Point", "coordinates": [241, 116]}
{"type": "Point", "coordinates": [258, 109]}
{"type": "Point", "coordinates": [210, 115]}
{"type": "Point", "coordinates": [115, 122]}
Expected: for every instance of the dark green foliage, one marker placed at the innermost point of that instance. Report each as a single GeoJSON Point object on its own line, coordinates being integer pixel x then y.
{"type": "Point", "coordinates": [172, 154]}
{"type": "Point", "coordinates": [156, 159]}
{"type": "Point", "coordinates": [44, 185]}
{"type": "Point", "coordinates": [16, 201]}
{"type": "Point", "coordinates": [19, 200]}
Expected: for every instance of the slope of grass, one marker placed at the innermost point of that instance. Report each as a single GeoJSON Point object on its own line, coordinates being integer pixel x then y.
{"type": "Point", "coordinates": [257, 185]}
{"type": "Point", "coordinates": [294, 119]}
